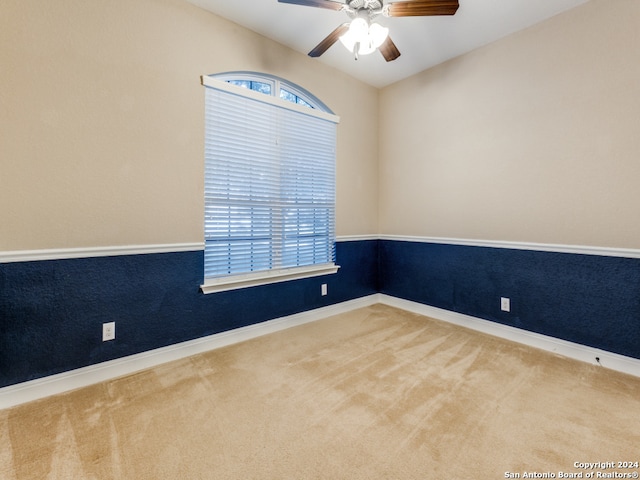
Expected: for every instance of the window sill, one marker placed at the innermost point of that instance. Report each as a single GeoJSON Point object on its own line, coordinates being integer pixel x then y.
{"type": "Point", "coordinates": [223, 284]}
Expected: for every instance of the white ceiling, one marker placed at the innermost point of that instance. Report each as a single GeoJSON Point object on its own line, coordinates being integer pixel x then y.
{"type": "Point", "coordinates": [422, 41]}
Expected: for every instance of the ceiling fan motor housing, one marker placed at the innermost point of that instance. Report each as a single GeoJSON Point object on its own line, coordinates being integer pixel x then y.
{"type": "Point", "coordinates": [368, 4]}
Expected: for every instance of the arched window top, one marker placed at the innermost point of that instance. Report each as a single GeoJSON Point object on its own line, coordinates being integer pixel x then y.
{"type": "Point", "coordinates": [273, 86]}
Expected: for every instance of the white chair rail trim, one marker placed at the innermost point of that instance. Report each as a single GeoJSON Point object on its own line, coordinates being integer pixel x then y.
{"type": "Point", "coordinates": [544, 247]}
{"type": "Point", "coordinates": [87, 252]}
{"type": "Point", "coordinates": [63, 253]}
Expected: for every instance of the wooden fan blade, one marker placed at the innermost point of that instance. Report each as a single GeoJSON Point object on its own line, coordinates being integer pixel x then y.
{"type": "Point", "coordinates": [330, 4]}
{"type": "Point", "coordinates": [389, 50]}
{"type": "Point", "coordinates": [423, 8]}
{"type": "Point", "coordinates": [332, 38]}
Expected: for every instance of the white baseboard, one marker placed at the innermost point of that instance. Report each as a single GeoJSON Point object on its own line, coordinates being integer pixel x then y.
{"type": "Point", "coordinates": [82, 377]}
{"type": "Point", "coordinates": [63, 382]}
{"type": "Point", "coordinates": [576, 351]}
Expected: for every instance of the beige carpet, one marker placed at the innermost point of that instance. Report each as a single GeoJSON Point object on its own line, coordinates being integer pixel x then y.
{"type": "Point", "coordinates": [377, 393]}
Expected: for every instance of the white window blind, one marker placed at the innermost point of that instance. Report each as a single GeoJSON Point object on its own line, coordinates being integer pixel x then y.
{"type": "Point", "coordinates": [269, 187]}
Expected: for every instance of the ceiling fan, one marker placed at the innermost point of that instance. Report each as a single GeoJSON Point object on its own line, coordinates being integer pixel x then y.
{"type": "Point", "coordinates": [362, 35]}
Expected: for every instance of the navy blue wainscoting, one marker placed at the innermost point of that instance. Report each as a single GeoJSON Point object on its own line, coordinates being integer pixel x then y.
{"type": "Point", "coordinates": [51, 312]}
{"type": "Point", "coordinates": [587, 299]}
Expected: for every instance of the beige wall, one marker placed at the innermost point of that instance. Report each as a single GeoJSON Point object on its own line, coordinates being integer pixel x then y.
{"type": "Point", "coordinates": [534, 138]}
{"type": "Point", "coordinates": [531, 139]}
{"type": "Point", "coordinates": [101, 121]}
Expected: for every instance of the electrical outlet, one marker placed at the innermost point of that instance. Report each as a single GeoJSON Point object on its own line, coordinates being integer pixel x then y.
{"type": "Point", "coordinates": [323, 289]}
{"type": "Point", "coordinates": [108, 331]}
{"type": "Point", "coordinates": [505, 304]}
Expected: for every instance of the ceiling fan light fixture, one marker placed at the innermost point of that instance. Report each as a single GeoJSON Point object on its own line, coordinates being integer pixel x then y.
{"type": "Point", "coordinates": [359, 29]}
{"type": "Point", "coordinates": [360, 36]}
{"type": "Point", "coordinates": [378, 34]}
{"type": "Point", "coordinates": [366, 38]}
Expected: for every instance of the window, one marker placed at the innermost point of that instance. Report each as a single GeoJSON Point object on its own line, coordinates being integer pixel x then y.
{"type": "Point", "coordinates": [269, 182]}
